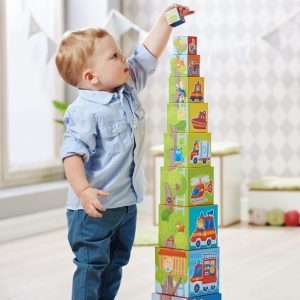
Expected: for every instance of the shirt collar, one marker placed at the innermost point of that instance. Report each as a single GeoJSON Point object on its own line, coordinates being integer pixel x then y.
{"type": "Point", "coordinates": [102, 96]}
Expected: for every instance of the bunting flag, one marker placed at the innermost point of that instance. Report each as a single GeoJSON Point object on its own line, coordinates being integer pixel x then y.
{"type": "Point", "coordinates": [242, 52]}
{"type": "Point", "coordinates": [273, 38]}
{"type": "Point", "coordinates": [117, 24]}
{"type": "Point", "coordinates": [34, 27]}
{"type": "Point", "coordinates": [50, 49]}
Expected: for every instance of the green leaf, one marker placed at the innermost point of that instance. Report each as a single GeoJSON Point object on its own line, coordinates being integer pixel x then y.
{"type": "Point", "coordinates": [60, 106]}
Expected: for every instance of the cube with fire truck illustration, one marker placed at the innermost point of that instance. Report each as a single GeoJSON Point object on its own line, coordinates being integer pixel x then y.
{"type": "Point", "coordinates": [187, 273]}
{"type": "Point", "coordinates": [187, 117]}
{"type": "Point", "coordinates": [187, 149]}
{"type": "Point", "coordinates": [184, 45]}
{"type": "Point", "coordinates": [187, 186]}
{"type": "Point", "coordinates": [188, 228]}
{"type": "Point", "coordinates": [185, 65]}
{"type": "Point", "coordinates": [186, 89]}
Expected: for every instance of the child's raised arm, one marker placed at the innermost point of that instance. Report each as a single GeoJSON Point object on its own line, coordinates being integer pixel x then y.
{"type": "Point", "coordinates": [158, 38]}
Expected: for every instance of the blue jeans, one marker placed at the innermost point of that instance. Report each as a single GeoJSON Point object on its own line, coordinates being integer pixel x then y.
{"type": "Point", "coordinates": [102, 247]}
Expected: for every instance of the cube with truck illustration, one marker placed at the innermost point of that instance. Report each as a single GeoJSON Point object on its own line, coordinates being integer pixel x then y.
{"type": "Point", "coordinates": [187, 273]}
{"type": "Point", "coordinates": [187, 149]}
{"type": "Point", "coordinates": [187, 117]}
{"type": "Point", "coordinates": [188, 228]}
{"type": "Point", "coordinates": [186, 89]}
{"type": "Point", "coordinates": [185, 65]}
{"type": "Point", "coordinates": [184, 45]}
{"type": "Point", "coordinates": [187, 186]}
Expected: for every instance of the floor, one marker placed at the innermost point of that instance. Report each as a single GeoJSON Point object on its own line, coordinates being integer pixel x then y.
{"type": "Point", "coordinates": [260, 263]}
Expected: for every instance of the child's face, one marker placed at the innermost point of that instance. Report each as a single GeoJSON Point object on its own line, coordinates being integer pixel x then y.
{"type": "Point", "coordinates": [108, 64]}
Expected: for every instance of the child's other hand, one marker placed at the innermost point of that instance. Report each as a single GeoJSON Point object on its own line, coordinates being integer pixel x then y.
{"type": "Point", "coordinates": [91, 203]}
{"type": "Point", "coordinates": [183, 9]}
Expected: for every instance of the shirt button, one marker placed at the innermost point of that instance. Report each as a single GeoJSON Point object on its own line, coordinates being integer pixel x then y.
{"type": "Point", "coordinates": [134, 125]}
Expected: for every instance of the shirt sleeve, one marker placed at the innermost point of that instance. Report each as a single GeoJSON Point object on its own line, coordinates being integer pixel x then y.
{"type": "Point", "coordinates": [142, 63]}
{"type": "Point", "coordinates": [80, 135]}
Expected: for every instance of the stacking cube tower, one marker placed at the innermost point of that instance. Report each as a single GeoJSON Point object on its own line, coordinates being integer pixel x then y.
{"type": "Point", "coordinates": [187, 258]}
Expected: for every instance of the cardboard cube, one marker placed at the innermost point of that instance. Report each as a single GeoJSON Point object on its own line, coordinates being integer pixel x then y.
{"type": "Point", "coordinates": [188, 228]}
{"type": "Point", "coordinates": [174, 17]}
{"type": "Point", "coordinates": [187, 273]}
{"type": "Point", "coordinates": [187, 117]}
{"type": "Point", "coordinates": [186, 89]}
{"type": "Point", "coordinates": [185, 65]}
{"type": "Point", "coordinates": [187, 186]}
{"type": "Point", "coordinates": [187, 150]}
{"type": "Point", "coordinates": [184, 45]}
{"type": "Point", "coordinates": [156, 296]}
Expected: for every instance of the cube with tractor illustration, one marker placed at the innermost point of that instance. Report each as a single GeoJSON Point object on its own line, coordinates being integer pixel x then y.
{"type": "Point", "coordinates": [184, 45]}
{"type": "Point", "coordinates": [187, 273]}
{"type": "Point", "coordinates": [188, 228]}
{"type": "Point", "coordinates": [187, 186]}
{"type": "Point", "coordinates": [186, 89]}
{"type": "Point", "coordinates": [187, 117]}
{"type": "Point", "coordinates": [157, 296]}
{"type": "Point", "coordinates": [185, 65]}
{"type": "Point", "coordinates": [187, 149]}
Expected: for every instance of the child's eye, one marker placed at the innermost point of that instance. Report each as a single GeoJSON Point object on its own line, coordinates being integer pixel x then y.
{"type": "Point", "coordinates": [115, 55]}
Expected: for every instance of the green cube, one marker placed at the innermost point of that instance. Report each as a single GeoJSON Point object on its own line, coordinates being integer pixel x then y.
{"type": "Point", "coordinates": [187, 149]}
{"type": "Point", "coordinates": [187, 186]}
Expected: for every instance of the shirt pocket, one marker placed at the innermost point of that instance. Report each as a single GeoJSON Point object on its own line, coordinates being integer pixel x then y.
{"type": "Point", "coordinates": [114, 137]}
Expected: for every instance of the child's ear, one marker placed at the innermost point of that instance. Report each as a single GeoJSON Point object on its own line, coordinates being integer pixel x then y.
{"type": "Point", "coordinates": [89, 76]}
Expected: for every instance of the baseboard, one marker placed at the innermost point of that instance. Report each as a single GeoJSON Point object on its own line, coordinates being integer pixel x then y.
{"type": "Point", "coordinates": [32, 224]}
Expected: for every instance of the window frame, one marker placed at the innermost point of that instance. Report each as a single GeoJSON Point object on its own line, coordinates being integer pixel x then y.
{"type": "Point", "coordinates": [43, 173]}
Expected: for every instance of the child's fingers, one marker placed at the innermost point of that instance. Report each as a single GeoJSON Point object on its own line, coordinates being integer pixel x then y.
{"type": "Point", "coordinates": [98, 205]}
{"type": "Point", "coordinates": [92, 211]}
{"type": "Point", "coordinates": [102, 193]}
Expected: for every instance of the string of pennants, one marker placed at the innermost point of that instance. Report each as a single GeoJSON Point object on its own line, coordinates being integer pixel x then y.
{"type": "Point", "coordinates": [117, 24]}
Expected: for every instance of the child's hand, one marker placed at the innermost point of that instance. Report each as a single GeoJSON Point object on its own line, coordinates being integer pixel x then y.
{"type": "Point", "coordinates": [183, 9]}
{"type": "Point", "coordinates": [91, 203]}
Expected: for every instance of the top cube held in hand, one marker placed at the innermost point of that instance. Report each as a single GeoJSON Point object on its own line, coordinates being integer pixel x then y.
{"type": "Point", "coordinates": [174, 17]}
{"type": "Point", "coordinates": [185, 45]}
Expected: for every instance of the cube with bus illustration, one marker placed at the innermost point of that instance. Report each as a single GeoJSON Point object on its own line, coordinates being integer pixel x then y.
{"type": "Point", "coordinates": [187, 117]}
{"type": "Point", "coordinates": [185, 65]}
{"type": "Point", "coordinates": [157, 296]}
{"type": "Point", "coordinates": [184, 45]}
{"type": "Point", "coordinates": [187, 186]}
{"type": "Point", "coordinates": [186, 89]}
{"type": "Point", "coordinates": [187, 149]}
{"type": "Point", "coordinates": [188, 228]}
{"type": "Point", "coordinates": [187, 273]}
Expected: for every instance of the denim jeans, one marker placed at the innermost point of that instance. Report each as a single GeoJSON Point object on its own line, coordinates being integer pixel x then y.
{"type": "Point", "coordinates": [102, 247]}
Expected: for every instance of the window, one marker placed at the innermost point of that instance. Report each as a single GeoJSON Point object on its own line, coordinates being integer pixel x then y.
{"type": "Point", "coordinates": [30, 31]}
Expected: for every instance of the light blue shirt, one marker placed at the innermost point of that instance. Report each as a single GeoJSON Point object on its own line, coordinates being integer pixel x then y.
{"type": "Point", "coordinates": [108, 130]}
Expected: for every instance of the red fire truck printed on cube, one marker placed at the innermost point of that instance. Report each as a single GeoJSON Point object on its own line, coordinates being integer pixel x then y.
{"type": "Point", "coordinates": [200, 152]}
{"type": "Point", "coordinates": [205, 274]}
{"type": "Point", "coordinates": [201, 186]}
{"type": "Point", "coordinates": [205, 233]}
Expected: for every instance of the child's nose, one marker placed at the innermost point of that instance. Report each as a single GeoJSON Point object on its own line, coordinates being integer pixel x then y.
{"type": "Point", "coordinates": [123, 58]}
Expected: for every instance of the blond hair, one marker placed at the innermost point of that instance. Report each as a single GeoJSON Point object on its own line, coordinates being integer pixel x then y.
{"type": "Point", "coordinates": [74, 50]}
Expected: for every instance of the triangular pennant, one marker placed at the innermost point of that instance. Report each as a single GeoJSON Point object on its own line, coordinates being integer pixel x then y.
{"type": "Point", "coordinates": [51, 48]}
{"type": "Point", "coordinates": [273, 38]}
{"type": "Point", "coordinates": [242, 52]}
{"type": "Point", "coordinates": [117, 24]}
{"type": "Point", "coordinates": [34, 27]}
